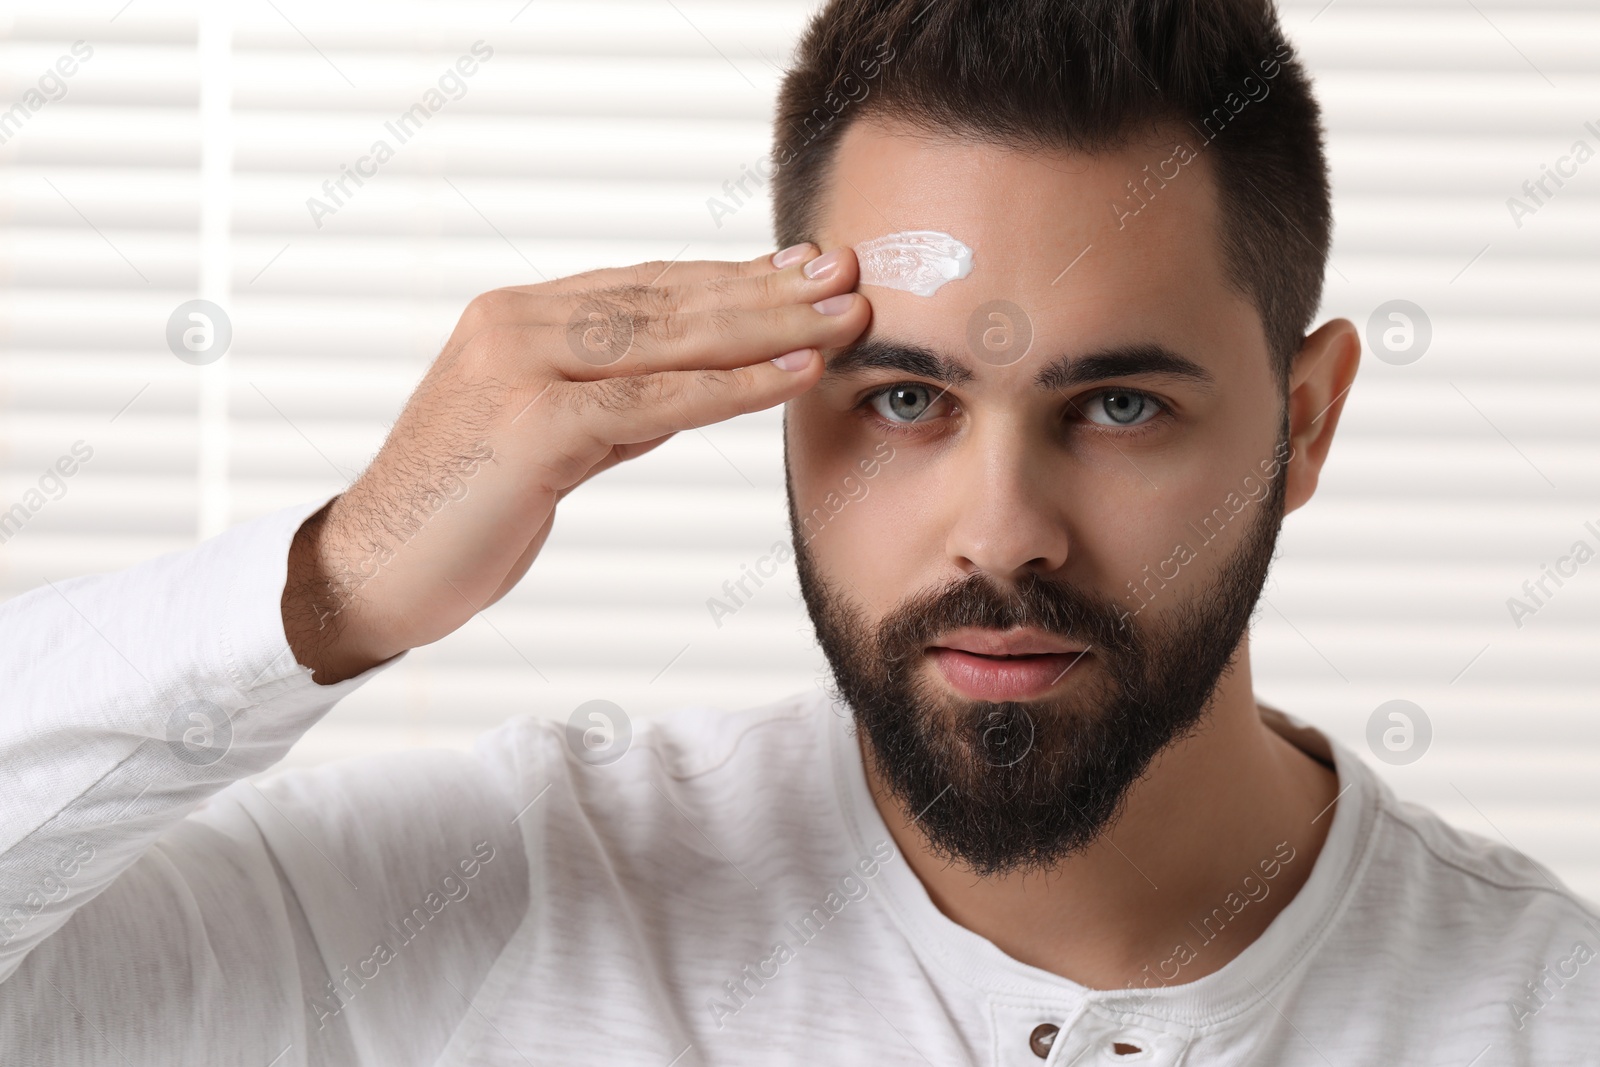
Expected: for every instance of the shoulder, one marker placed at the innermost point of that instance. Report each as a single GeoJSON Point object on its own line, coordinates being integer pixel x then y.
{"type": "Point", "coordinates": [1421, 888]}
{"type": "Point", "coordinates": [1461, 875]}
{"type": "Point", "coordinates": [1481, 933]}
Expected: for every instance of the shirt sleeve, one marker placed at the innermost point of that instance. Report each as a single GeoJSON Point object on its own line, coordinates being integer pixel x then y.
{"type": "Point", "coordinates": [159, 907]}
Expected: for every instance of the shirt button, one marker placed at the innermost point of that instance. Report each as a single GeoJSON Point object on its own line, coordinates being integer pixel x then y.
{"type": "Point", "coordinates": [1042, 1038]}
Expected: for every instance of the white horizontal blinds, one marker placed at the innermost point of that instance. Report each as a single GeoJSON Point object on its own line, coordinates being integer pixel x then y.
{"type": "Point", "coordinates": [594, 135]}
{"type": "Point", "coordinates": [99, 182]}
{"type": "Point", "coordinates": [1457, 477]}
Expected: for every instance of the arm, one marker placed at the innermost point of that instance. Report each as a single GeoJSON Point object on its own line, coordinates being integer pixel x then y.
{"type": "Point", "coordinates": [129, 699]}
{"type": "Point", "coordinates": [138, 935]}
{"type": "Point", "coordinates": [158, 909]}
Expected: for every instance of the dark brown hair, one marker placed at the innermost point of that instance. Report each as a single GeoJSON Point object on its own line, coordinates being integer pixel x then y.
{"type": "Point", "coordinates": [1083, 75]}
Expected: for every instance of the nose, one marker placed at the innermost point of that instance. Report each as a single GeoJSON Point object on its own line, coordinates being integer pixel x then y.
{"type": "Point", "coordinates": [1007, 512]}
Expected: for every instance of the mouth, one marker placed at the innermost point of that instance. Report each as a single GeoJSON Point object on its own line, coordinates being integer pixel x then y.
{"type": "Point", "coordinates": [1018, 665]}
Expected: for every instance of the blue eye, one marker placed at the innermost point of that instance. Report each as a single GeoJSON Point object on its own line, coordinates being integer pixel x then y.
{"type": "Point", "coordinates": [1120, 408]}
{"type": "Point", "coordinates": [906, 402]}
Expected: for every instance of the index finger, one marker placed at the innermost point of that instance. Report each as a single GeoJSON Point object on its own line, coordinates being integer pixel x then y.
{"type": "Point", "coordinates": [678, 272]}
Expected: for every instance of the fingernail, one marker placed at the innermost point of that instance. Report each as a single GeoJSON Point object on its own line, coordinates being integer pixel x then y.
{"type": "Point", "coordinates": [797, 360]}
{"type": "Point", "coordinates": [789, 256]}
{"type": "Point", "coordinates": [835, 305]}
{"type": "Point", "coordinates": [823, 266]}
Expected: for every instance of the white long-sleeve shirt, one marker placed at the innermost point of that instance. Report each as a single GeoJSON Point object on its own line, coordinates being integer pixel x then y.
{"type": "Point", "coordinates": [725, 893]}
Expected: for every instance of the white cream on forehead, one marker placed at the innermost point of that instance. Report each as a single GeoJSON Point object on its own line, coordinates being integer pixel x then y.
{"type": "Point", "coordinates": [914, 261]}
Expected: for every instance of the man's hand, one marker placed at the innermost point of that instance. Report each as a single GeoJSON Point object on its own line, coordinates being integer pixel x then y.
{"type": "Point", "coordinates": [539, 389]}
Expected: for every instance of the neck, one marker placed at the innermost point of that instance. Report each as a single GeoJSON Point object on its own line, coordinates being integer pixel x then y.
{"type": "Point", "coordinates": [1213, 843]}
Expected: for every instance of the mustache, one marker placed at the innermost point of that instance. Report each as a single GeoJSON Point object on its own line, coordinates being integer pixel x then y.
{"type": "Point", "coordinates": [978, 601]}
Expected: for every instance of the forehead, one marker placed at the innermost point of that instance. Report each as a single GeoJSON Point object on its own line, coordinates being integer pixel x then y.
{"type": "Point", "coordinates": [1114, 248]}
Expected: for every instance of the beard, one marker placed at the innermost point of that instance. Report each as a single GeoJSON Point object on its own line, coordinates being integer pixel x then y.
{"type": "Point", "coordinates": [1020, 786]}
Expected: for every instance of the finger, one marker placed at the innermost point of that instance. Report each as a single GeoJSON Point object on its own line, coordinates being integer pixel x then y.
{"type": "Point", "coordinates": [675, 272]}
{"type": "Point", "coordinates": [803, 281]}
{"type": "Point", "coordinates": [626, 329]}
{"type": "Point", "coordinates": [644, 407]}
{"type": "Point", "coordinates": [593, 315]}
{"type": "Point", "coordinates": [722, 322]}
{"type": "Point", "coordinates": [723, 338]}
{"type": "Point", "coordinates": [612, 341]}
{"type": "Point", "coordinates": [619, 454]}
{"type": "Point", "coordinates": [624, 453]}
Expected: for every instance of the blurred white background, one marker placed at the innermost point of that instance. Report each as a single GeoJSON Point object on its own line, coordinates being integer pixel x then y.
{"type": "Point", "coordinates": [179, 157]}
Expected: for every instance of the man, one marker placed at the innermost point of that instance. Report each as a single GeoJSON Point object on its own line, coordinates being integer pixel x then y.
{"type": "Point", "coordinates": [1049, 276]}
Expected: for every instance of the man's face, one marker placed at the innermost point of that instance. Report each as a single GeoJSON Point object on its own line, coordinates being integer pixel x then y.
{"type": "Point", "coordinates": [1113, 514]}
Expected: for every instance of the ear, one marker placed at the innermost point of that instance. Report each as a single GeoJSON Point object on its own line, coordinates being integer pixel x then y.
{"type": "Point", "coordinates": [1319, 380]}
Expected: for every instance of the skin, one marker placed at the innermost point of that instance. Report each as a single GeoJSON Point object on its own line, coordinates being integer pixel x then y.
{"type": "Point", "coordinates": [511, 417]}
{"type": "Point", "coordinates": [1005, 477]}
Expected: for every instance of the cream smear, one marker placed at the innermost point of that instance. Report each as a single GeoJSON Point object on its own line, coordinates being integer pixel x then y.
{"type": "Point", "coordinates": [915, 261]}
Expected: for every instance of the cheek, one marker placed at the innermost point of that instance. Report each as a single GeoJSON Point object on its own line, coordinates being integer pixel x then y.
{"type": "Point", "coordinates": [861, 510]}
{"type": "Point", "coordinates": [888, 544]}
{"type": "Point", "coordinates": [1122, 538]}
{"type": "Point", "coordinates": [1156, 546]}
{"type": "Point", "coordinates": [819, 459]}
{"type": "Point", "coordinates": [832, 449]}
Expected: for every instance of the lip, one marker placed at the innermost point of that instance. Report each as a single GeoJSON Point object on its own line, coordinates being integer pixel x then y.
{"type": "Point", "coordinates": [1026, 641]}
{"type": "Point", "coordinates": [1024, 678]}
{"type": "Point", "coordinates": [969, 660]}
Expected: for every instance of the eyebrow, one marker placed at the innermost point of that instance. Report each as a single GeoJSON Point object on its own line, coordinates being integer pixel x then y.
{"type": "Point", "coordinates": [1065, 372]}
